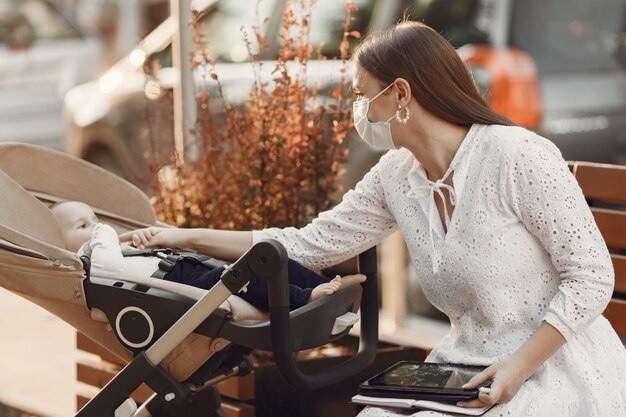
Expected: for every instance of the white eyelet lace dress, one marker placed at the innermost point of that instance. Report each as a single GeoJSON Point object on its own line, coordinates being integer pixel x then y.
{"type": "Point", "coordinates": [521, 247]}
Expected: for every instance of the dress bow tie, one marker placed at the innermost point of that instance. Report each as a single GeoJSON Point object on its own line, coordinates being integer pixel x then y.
{"type": "Point", "coordinates": [428, 190]}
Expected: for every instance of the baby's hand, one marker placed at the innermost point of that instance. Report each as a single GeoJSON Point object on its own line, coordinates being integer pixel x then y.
{"type": "Point", "coordinates": [141, 238]}
{"type": "Point", "coordinates": [152, 237]}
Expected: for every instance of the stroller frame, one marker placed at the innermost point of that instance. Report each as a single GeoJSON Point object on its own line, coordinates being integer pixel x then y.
{"type": "Point", "coordinates": [266, 259]}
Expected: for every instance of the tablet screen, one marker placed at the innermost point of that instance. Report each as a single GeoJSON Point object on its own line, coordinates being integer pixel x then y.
{"type": "Point", "coordinates": [420, 375]}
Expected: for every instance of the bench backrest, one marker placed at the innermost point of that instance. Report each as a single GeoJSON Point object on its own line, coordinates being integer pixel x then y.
{"type": "Point", "coordinates": [604, 187]}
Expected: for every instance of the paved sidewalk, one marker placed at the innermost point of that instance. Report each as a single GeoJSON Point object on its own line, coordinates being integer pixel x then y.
{"type": "Point", "coordinates": [37, 359]}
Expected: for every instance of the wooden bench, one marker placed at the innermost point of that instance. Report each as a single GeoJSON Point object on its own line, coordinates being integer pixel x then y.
{"type": "Point", "coordinates": [604, 187]}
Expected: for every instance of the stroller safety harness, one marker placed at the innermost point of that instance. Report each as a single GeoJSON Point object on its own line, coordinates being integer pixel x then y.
{"type": "Point", "coordinates": [169, 258]}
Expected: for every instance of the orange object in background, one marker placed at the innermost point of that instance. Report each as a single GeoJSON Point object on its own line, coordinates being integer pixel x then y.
{"type": "Point", "coordinates": [513, 87]}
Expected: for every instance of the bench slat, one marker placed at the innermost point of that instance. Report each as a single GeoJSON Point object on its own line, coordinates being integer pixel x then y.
{"type": "Point", "coordinates": [612, 225]}
{"type": "Point", "coordinates": [238, 387]}
{"type": "Point", "coordinates": [237, 409]}
{"type": "Point", "coordinates": [601, 181]}
{"type": "Point", "coordinates": [619, 264]}
{"type": "Point", "coordinates": [616, 314]}
{"type": "Point", "coordinates": [87, 345]}
{"type": "Point", "coordinates": [607, 183]}
{"type": "Point", "coordinates": [99, 373]}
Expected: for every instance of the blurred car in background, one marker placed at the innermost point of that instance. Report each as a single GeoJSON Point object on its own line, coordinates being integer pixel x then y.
{"type": "Point", "coordinates": [556, 67]}
{"type": "Point", "coordinates": [107, 116]}
{"type": "Point", "coordinates": [42, 56]}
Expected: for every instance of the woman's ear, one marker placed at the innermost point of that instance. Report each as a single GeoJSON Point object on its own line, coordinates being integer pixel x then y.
{"type": "Point", "coordinates": [402, 90]}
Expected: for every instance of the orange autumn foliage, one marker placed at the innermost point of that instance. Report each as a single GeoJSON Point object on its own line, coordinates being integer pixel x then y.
{"type": "Point", "coordinates": [273, 160]}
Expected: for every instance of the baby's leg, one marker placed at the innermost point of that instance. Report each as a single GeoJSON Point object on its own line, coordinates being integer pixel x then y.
{"type": "Point", "coordinates": [335, 284]}
{"type": "Point", "coordinates": [351, 280]}
{"type": "Point", "coordinates": [303, 277]}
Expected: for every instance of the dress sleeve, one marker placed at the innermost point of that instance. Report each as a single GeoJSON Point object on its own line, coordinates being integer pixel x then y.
{"type": "Point", "coordinates": [105, 250]}
{"type": "Point", "coordinates": [550, 203]}
{"type": "Point", "coordinates": [360, 221]}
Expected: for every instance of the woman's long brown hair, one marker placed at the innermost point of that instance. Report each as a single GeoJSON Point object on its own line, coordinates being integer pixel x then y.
{"type": "Point", "coordinates": [439, 79]}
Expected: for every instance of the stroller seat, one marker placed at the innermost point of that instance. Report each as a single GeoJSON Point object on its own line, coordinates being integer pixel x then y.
{"type": "Point", "coordinates": [174, 337]}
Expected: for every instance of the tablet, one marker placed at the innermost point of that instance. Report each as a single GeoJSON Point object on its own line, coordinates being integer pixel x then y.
{"type": "Point", "coordinates": [424, 380]}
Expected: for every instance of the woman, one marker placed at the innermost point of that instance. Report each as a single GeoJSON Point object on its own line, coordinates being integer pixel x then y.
{"type": "Point", "coordinates": [497, 228]}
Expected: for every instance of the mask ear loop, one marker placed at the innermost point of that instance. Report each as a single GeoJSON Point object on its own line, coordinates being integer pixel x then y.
{"type": "Point", "coordinates": [377, 95]}
{"type": "Point", "coordinates": [372, 99]}
{"type": "Point", "coordinates": [385, 89]}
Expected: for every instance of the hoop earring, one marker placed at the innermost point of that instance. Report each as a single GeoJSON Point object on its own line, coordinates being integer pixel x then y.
{"type": "Point", "coordinates": [399, 117]}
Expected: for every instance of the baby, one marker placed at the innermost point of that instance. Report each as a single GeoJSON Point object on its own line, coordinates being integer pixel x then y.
{"type": "Point", "coordinates": [84, 235]}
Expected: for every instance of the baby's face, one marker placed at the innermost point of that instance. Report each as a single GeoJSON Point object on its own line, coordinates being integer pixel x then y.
{"type": "Point", "coordinates": [77, 221]}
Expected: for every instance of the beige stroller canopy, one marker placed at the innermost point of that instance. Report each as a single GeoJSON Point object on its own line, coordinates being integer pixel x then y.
{"type": "Point", "coordinates": [33, 261]}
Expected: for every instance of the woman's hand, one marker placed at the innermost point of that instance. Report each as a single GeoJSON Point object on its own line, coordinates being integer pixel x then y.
{"type": "Point", "coordinates": [507, 377]}
{"type": "Point", "coordinates": [153, 237]}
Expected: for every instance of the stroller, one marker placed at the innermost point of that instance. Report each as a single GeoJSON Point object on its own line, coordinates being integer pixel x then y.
{"type": "Point", "coordinates": [177, 339]}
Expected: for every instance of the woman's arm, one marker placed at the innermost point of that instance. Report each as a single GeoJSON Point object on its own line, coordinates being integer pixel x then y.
{"type": "Point", "coordinates": [227, 245]}
{"type": "Point", "coordinates": [549, 202]}
{"type": "Point", "coordinates": [360, 221]}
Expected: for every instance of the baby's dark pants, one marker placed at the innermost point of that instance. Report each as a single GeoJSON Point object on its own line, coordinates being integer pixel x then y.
{"type": "Point", "coordinates": [301, 282]}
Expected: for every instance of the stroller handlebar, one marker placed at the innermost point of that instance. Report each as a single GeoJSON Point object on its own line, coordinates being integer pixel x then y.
{"type": "Point", "coordinates": [268, 259]}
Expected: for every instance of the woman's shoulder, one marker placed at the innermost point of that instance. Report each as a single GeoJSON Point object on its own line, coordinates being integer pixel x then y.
{"type": "Point", "coordinates": [394, 161]}
{"type": "Point", "coordinates": [515, 141]}
{"type": "Point", "coordinates": [396, 157]}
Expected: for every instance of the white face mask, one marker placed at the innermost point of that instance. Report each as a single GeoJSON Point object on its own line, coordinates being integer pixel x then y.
{"type": "Point", "coordinates": [376, 134]}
